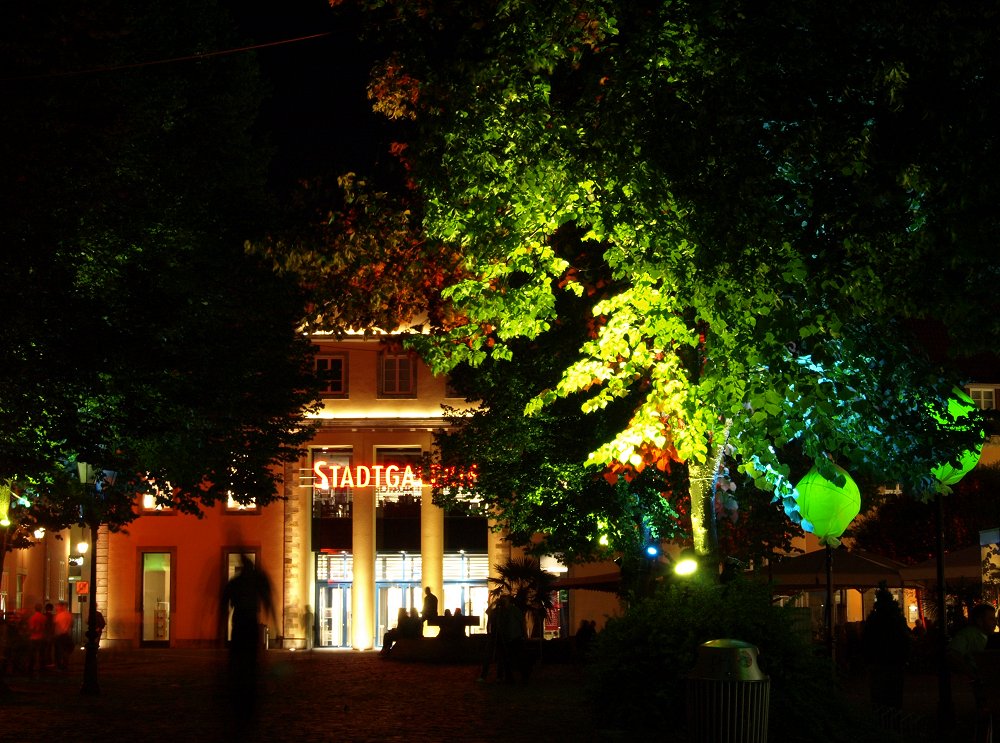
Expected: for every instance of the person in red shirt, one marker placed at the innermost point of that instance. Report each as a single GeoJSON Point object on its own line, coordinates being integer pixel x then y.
{"type": "Point", "coordinates": [62, 626]}
{"type": "Point", "coordinates": [37, 639]}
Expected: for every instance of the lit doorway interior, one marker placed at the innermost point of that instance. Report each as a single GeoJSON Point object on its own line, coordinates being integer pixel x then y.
{"type": "Point", "coordinates": [334, 578]}
{"type": "Point", "coordinates": [392, 598]}
{"type": "Point", "coordinates": [334, 616]}
{"type": "Point", "coordinates": [157, 580]}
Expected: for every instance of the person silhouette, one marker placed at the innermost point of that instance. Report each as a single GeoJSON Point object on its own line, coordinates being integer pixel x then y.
{"type": "Point", "coordinates": [391, 637]}
{"type": "Point", "coordinates": [246, 594]}
{"type": "Point", "coordinates": [430, 605]}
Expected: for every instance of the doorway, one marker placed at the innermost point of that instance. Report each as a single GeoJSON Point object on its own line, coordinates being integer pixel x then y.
{"type": "Point", "coordinates": [156, 591]}
{"type": "Point", "coordinates": [334, 616]}
{"type": "Point", "coordinates": [391, 598]}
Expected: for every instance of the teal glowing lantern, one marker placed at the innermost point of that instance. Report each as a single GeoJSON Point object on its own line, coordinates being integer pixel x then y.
{"type": "Point", "coordinates": [827, 509]}
{"type": "Point", "coordinates": [959, 407]}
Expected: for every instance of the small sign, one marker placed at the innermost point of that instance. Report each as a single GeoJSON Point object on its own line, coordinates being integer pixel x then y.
{"type": "Point", "coordinates": [82, 587]}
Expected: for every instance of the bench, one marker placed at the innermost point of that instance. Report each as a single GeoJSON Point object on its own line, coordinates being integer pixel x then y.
{"type": "Point", "coordinates": [453, 650]}
{"type": "Point", "coordinates": [444, 621]}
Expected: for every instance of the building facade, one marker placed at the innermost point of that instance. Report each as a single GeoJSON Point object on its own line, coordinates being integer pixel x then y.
{"type": "Point", "coordinates": [354, 538]}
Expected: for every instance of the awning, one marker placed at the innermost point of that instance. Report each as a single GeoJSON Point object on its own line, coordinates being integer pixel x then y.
{"type": "Point", "coordinates": [964, 564]}
{"type": "Point", "coordinates": [858, 570]}
{"type": "Point", "coordinates": [609, 582]}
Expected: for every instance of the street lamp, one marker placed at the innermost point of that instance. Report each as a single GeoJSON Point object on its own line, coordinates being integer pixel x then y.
{"type": "Point", "coordinates": [687, 563]}
{"type": "Point", "coordinates": [98, 479]}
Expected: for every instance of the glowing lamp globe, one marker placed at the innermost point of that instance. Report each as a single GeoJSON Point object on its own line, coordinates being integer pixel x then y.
{"type": "Point", "coordinates": [686, 566]}
{"type": "Point", "coordinates": [4, 504]}
{"type": "Point", "coordinates": [959, 407]}
{"type": "Point", "coordinates": [827, 509]}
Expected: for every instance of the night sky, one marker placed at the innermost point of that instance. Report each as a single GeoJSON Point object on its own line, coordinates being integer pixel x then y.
{"type": "Point", "coordinates": [318, 113]}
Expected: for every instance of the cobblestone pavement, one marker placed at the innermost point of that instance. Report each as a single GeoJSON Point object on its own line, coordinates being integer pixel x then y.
{"type": "Point", "coordinates": [181, 696]}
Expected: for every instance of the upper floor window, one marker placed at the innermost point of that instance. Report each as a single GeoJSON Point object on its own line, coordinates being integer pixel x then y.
{"type": "Point", "coordinates": [234, 505]}
{"type": "Point", "coordinates": [151, 503]}
{"type": "Point", "coordinates": [397, 375]}
{"type": "Point", "coordinates": [332, 373]}
{"type": "Point", "coordinates": [157, 497]}
{"type": "Point", "coordinates": [984, 397]}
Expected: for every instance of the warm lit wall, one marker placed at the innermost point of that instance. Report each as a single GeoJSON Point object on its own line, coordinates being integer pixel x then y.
{"type": "Point", "coordinates": [280, 532]}
{"type": "Point", "coordinates": [199, 546]}
{"type": "Point", "coordinates": [598, 606]}
{"type": "Point", "coordinates": [991, 452]}
{"type": "Point", "coordinates": [30, 563]}
{"type": "Point", "coordinates": [363, 400]}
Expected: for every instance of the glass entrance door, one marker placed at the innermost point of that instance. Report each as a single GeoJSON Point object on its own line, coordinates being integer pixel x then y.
{"type": "Point", "coordinates": [156, 584]}
{"type": "Point", "coordinates": [334, 616]}
{"type": "Point", "coordinates": [392, 598]}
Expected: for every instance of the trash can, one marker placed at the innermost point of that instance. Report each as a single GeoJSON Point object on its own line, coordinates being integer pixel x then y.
{"type": "Point", "coordinates": [727, 694]}
{"type": "Point", "coordinates": [264, 636]}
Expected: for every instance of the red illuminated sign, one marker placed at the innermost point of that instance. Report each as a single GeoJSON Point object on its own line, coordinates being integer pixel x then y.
{"type": "Point", "coordinates": [361, 476]}
{"type": "Point", "coordinates": [387, 476]}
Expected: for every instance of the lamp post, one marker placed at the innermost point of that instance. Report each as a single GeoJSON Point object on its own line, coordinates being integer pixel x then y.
{"type": "Point", "coordinates": [960, 405]}
{"type": "Point", "coordinates": [91, 477]}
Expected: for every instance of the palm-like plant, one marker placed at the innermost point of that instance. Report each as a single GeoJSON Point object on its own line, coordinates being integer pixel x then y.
{"type": "Point", "coordinates": [530, 588]}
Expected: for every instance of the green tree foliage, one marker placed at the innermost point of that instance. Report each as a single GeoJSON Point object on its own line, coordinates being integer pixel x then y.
{"type": "Point", "coordinates": [141, 339]}
{"type": "Point", "coordinates": [530, 469]}
{"type": "Point", "coordinates": [771, 191]}
{"type": "Point", "coordinates": [752, 528]}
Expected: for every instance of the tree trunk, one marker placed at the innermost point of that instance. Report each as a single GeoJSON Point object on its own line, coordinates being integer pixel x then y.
{"type": "Point", "coordinates": [703, 531]}
{"type": "Point", "coordinates": [703, 478]}
{"type": "Point", "coordinates": [4, 635]}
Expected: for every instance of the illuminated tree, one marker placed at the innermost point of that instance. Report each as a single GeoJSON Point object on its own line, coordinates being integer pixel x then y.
{"type": "Point", "coordinates": [771, 190]}
{"type": "Point", "coordinates": [361, 257]}
{"type": "Point", "coordinates": [531, 475]}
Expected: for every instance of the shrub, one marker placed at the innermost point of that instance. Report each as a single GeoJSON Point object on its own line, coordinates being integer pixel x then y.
{"type": "Point", "coordinates": [641, 660]}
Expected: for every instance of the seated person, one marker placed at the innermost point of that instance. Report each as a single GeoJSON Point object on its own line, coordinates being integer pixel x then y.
{"type": "Point", "coordinates": [414, 625]}
{"type": "Point", "coordinates": [452, 626]}
{"type": "Point", "coordinates": [392, 636]}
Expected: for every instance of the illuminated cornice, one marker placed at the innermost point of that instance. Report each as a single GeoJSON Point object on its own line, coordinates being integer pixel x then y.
{"type": "Point", "coordinates": [417, 326]}
{"type": "Point", "coordinates": [380, 423]}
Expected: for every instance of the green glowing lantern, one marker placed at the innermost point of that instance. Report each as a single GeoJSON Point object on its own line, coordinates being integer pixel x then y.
{"type": "Point", "coordinates": [959, 407]}
{"type": "Point", "coordinates": [5, 493]}
{"type": "Point", "coordinates": [827, 509]}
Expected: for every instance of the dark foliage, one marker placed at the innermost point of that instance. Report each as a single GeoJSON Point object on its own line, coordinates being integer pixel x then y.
{"type": "Point", "coordinates": [641, 661]}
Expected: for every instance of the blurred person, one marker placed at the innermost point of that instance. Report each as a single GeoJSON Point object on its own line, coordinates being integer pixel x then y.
{"type": "Point", "coordinates": [62, 624]}
{"type": "Point", "coordinates": [246, 594]}
{"type": "Point", "coordinates": [36, 639]}
{"type": "Point", "coordinates": [50, 634]}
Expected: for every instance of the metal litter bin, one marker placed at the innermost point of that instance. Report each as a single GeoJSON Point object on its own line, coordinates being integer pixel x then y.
{"type": "Point", "coordinates": [727, 694]}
